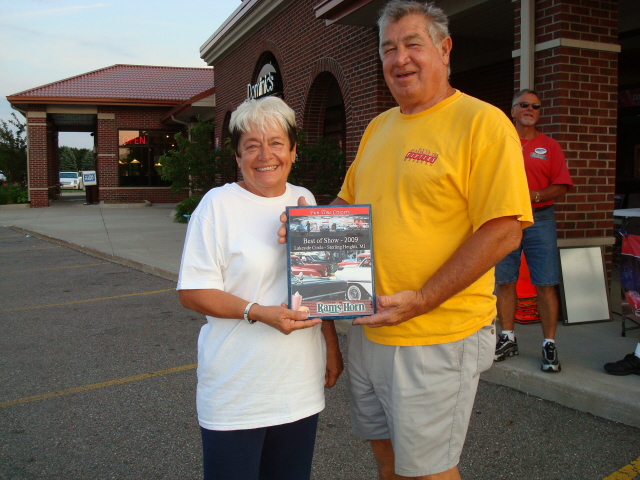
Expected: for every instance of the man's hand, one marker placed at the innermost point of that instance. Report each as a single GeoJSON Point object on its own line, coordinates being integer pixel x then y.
{"type": "Point", "coordinates": [394, 309]}
{"type": "Point", "coordinates": [282, 231]}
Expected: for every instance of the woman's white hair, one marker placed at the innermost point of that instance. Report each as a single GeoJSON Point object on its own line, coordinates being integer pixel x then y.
{"type": "Point", "coordinates": [262, 113]}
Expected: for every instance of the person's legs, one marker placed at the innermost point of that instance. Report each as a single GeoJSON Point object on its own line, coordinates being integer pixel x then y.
{"type": "Point", "coordinates": [426, 394]}
{"type": "Point", "coordinates": [383, 451]}
{"type": "Point", "coordinates": [385, 459]}
{"type": "Point", "coordinates": [548, 310]}
{"type": "Point", "coordinates": [541, 252]}
{"type": "Point", "coordinates": [288, 450]}
{"type": "Point", "coordinates": [230, 455]}
{"type": "Point", "coordinates": [507, 301]}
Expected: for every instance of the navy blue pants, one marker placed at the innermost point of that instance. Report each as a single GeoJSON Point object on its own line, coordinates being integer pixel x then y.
{"type": "Point", "coordinates": [281, 452]}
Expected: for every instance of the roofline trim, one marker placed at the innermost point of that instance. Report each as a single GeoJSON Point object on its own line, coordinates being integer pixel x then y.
{"type": "Point", "coordinates": [187, 104]}
{"type": "Point", "coordinates": [241, 24]}
{"type": "Point", "coordinates": [91, 101]}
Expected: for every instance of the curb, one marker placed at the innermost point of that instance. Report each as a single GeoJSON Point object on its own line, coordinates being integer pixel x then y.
{"type": "Point", "coordinates": [146, 203]}
{"type": "Point", "coordinates": [15, 206]}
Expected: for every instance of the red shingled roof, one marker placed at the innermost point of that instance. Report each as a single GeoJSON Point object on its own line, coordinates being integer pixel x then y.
{"type": "Point", "coordinates": [130, 84]}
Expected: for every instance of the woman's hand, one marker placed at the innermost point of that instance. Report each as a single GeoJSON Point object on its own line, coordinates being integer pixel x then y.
{"type": "Point", "coordinates": [335, 365]}
{"type": "Point", "coordinates": [282, 319]}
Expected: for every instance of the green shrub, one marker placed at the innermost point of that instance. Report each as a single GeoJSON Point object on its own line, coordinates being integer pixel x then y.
{"type": "Point", "coordinates": [185, 207]}
{"type": "Point", "coordinates": [13, 194]}
{"type": "Point", "coordinates": [321, 167]}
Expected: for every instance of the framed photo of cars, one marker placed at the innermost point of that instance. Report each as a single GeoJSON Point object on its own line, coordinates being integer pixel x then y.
{"type": "Point", "coordinates": [330, 255]}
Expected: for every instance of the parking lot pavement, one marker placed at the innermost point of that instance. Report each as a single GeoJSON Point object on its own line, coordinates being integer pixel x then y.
{"type": "Point", "coordinates": [97, 372]}
{"type": "Point", "coordinates": [97, 381]}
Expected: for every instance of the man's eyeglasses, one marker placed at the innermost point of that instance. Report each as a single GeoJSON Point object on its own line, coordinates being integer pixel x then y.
{"type": "Point", "coordinates": [535, 106]}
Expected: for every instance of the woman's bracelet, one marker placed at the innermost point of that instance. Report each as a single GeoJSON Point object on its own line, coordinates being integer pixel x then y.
{"type": "Point", "coordinates": [246, 313]}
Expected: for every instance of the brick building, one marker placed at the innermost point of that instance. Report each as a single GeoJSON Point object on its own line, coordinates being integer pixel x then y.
{"type": "Point", "coordinates": [132, 111]}
{"type": "Point", "coordinates": [582, 56]}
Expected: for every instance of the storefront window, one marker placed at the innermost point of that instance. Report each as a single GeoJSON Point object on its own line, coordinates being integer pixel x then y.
{"type": "Point", "coordinates": [139, 162]}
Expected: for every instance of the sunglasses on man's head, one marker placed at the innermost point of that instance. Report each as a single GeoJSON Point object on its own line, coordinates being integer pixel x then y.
{"type": "Point", "coordinates": [535, 106]}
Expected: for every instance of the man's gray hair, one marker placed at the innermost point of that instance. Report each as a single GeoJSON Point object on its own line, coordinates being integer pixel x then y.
{"type": "Point", "coordinates": [396, 9]}
{"type": "Point", "coordinates": [262, 113]}
{"type": "Point", "coordinates": [524, 91]}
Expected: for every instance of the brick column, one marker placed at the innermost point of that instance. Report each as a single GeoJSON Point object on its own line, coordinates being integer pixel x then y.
{"type": "Point", "coordinates": [38, 175]}
{"type": "Point", "coordinates": [107, 152]}
{"type": "Point", "coordinates": [576, 77]}
{"type": "Point", "coordinates": [53, 171]}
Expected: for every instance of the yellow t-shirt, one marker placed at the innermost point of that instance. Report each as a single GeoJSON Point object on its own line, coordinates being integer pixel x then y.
{"type": "Point", "coordinates": [433, 178]}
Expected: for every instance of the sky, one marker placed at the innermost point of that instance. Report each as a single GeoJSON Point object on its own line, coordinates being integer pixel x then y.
{"type": "Point", "coordinates": [44, 41]}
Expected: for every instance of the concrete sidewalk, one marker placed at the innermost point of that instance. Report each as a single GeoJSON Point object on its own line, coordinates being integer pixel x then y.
{"type": "Point", "coordinates": [147, 239]}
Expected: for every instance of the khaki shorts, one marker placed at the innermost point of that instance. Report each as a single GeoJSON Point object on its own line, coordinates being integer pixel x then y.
{"type": "Point", "coordinates": [419, 397]}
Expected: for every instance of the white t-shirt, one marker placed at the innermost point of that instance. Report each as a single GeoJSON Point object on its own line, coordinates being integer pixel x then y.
{"type": "Point", "coordinates": [249, 376]}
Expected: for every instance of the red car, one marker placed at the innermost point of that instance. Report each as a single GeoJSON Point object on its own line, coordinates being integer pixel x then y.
{"type": "Point", "coordinates": [297, 262]}
{"type": "Point", "coordinates": [307, 272]}
{"type": "Point", "coordinates": [357, 261]}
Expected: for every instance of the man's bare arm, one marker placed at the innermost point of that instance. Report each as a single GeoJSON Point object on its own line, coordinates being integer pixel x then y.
{"type": "Point", "coordinates": [481, 251]}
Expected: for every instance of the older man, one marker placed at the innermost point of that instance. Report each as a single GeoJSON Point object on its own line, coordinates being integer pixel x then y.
{"type": "Point", "coordinates": [548, 179]}
{"type": "Point", "coordinates": [445, 179]}
{"type": "Point", "coordinates": [443, 173]}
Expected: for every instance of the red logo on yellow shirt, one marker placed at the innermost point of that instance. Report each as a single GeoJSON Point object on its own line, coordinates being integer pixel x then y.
{"type": "Point", "coordinates": [421, 155]}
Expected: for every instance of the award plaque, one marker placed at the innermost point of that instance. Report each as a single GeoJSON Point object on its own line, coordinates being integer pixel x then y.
{"type": "Point", "coordinates": [330, 255]}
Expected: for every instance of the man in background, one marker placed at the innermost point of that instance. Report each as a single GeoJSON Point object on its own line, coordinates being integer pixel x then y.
{"type": "Point", "coordinates": [548, 179]}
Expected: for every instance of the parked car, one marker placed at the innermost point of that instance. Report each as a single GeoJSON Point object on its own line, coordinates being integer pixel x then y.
{"type": "Point", "coordinates": [318, 289]}
{"type": "Point", "coordinates": [310, 259]}
{"type": "Point", "coordinates": [359, 279]}
{"type": "Point", "coordinates": [71, 180]}
{"type": "Point", "coordinates": [300, 270]}
{"type": "Point", "coordinates": [354, 261]}
{"type": "Point", "coordinates": [297, 262]}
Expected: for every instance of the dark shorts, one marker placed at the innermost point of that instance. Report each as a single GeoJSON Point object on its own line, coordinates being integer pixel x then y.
{"type": "Point", "coordinates": [270, 453]}
{"type": "Point", "coordinates": [540, 246]}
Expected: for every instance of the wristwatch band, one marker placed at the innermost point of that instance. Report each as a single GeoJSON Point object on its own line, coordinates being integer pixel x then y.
{"type": "Point", "coordinates": [246, 313]}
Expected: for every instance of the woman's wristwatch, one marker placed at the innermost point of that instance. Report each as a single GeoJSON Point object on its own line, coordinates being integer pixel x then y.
{"type": "Point", "coordinates": [246, 313]}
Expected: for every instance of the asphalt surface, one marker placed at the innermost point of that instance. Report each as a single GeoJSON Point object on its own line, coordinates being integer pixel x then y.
{"type": "Point", "coordinates": [97, 381]}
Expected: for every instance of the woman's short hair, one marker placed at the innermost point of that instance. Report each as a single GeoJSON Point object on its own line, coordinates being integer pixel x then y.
{"type": "Point", "coordinates": [396, 9]}
{"type": "Point", "coordinates": [262, 113]}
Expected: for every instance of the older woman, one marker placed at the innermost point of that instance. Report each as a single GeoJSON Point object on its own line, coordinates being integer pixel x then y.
{"type": "Point", "coordinates": [261, 366]}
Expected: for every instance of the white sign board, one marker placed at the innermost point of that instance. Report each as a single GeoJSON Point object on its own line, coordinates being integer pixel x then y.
{"type": "Point", "coordinates": [89, 177]}
{"type": "Point", "coordinates": [584, 285]}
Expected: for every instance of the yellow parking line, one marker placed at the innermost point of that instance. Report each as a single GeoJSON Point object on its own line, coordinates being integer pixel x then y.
{"type": "Point", "coordinates": [628, 472]}
{"type": "Point", "coordinates": [54, 268]}
{"type": "Point", "coordinates": [28, 249]}
{"type": "Point", "coordinates": [88, 300]}
{"type": "Point", "coordinates": [93, 386]}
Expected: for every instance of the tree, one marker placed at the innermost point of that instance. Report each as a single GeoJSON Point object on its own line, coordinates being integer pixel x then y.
{"type": "Point", "coordinates": [67, 159]}
{"type": "Point", "coordinates": [196, 165]}
{"type": "Point", "coordinates": [88, 162]}
{"type": "Point", "coordinates": [73, 159]}
{"type": "Point", "coordinates": [321, 167]}
{"type": "Point", "coordinates": [13, 150]}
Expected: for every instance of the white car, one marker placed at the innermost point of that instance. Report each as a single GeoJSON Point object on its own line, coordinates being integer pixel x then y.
{"type": "Point", "coordinates": [71, 180]}
{"type": "Point", "coordinates": [359, 280]}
